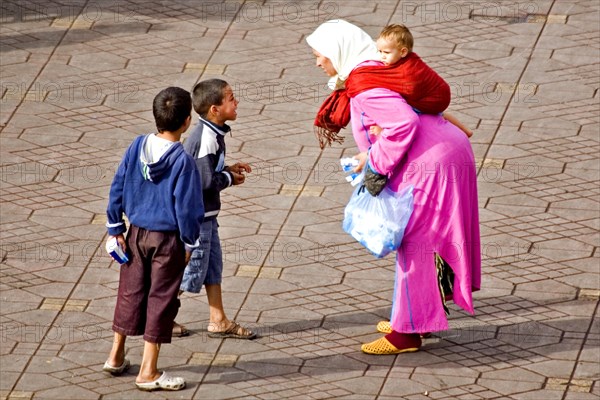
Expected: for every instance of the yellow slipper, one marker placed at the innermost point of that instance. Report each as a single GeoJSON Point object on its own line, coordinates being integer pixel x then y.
{"type": "Point", "coordinates": [384, 327]}
{"type": "Point", "coordinates": [382, 346]}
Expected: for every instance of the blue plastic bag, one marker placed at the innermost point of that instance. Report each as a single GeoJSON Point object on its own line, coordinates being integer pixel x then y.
{"type": "Point", "coordinates": [378, 223]}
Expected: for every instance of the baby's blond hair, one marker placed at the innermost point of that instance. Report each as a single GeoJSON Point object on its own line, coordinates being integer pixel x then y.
{"type": "Point", "coordinates": [399, 34]}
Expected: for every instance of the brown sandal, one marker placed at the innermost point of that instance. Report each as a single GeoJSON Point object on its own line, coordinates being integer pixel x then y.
{"type": "Point", "coordinates": [179, 330]}
{"type": "Point", "coordinates": [233, 332]}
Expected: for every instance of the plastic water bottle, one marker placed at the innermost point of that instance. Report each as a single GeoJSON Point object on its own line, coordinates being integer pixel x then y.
{"type": "Point", "coordinates": [348, 164]}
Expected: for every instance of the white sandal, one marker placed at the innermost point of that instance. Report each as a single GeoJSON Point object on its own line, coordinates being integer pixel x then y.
{"type": "Point", "coordinates": [164, 382]}
{"type": "Point", "coordinates": [116, 370]}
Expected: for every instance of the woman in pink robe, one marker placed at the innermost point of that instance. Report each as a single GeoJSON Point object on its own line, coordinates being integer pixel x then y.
{"type": "Point", "coordinates": [439, 258]}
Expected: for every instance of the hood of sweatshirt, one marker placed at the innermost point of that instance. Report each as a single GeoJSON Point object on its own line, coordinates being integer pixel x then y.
{"type": "Point", "coordinates": [155, 170]}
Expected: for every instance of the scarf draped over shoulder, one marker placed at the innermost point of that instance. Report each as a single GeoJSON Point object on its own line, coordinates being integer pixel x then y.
{"type": "Point", "coordinates": [347, 46]}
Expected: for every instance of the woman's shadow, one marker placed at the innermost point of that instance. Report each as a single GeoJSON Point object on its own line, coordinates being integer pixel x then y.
{"type": "Point", "coordinates": [331, 346]}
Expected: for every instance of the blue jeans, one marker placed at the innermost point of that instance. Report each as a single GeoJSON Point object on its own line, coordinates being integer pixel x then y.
{"type": "Point", "coordinates": [206, 264]}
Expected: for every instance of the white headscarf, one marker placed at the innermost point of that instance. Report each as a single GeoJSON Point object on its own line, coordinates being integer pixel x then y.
{"type": "Point", "coordinates": [345, 44]}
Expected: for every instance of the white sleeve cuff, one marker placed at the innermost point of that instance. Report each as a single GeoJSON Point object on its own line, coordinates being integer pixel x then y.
{"type": "Point", "coordinates": [229, 177]}
{"type": "Point", "coordinates": [191, 247]}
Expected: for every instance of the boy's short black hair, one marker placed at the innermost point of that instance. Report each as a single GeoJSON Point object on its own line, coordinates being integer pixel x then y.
{"type": "Point", "coordinates": [171, 107]}
{"type": "Point", "coordinates": [208, 93]}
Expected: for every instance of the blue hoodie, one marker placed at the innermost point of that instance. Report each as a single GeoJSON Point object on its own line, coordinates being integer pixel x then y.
{"type": "Point", "coordinates": [165, 195]}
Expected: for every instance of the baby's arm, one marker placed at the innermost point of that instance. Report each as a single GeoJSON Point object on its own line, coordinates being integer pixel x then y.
{"type": "Point", "coordinates": [375, 130]}
{"type": "Point", "coordinates": [454, 121]}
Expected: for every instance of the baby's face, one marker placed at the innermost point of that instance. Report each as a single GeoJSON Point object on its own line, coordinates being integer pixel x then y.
{"type": "Point", "coordinates": [389, 53]}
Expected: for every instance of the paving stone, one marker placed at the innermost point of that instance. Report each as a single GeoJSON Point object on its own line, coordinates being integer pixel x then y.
{"type": "Point", "coordinates": [528, 86]}
{"type": "Point", "coordinates": [549, 393]}
{"type": "Point", "coordinates": [553, 368]}
{"type": "Point", "coordinates": [509, 387]}
{"type": "Point", "coordinates": [586, 372]}
{"type": "Point", "coordinates": [35, 382]}
{"type": "Point", "coordinates": [15, 363]}
{"type": "Point", "coordinates": [572, 395]}
{"type": "Point", "coordinates": [518, 374]}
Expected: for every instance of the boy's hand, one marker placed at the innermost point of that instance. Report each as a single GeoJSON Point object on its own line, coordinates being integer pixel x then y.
{"type": "Point", "coordinates": [240, 168]}
{"type": "Point", "coordinates": [121, 240]}
{"type": "Point", "coordinates": [238, 179]}
{"type": "Point", "coordinates": [237, 172]}
{"type": "Point", "coordinates": [375, 130]}
{"type": "Point", "coordinates": [188, 256]}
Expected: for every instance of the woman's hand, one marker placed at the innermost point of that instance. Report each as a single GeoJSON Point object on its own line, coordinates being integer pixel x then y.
{"type": "Point", "coordinates": [373, 181]}
{"type": "Point", "coordinates": [362, 160]}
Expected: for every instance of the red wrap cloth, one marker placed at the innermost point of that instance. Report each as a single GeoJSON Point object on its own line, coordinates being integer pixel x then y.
{"type": "Point", "coordinates": [419, 85]}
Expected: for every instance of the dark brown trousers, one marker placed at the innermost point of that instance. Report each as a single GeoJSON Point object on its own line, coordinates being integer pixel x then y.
{"type": "Point", "coordinates": [147, 302]}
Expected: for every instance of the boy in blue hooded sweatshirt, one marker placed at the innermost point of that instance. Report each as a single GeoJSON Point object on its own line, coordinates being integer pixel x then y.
{"type": "Point", "coordinates": [158, 187]}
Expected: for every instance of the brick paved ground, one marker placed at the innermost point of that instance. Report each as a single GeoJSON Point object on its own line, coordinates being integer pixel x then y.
{"type": "Point", "coordinates": [77, 81]}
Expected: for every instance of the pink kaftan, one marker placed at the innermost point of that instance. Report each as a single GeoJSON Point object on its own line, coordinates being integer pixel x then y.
{"type": "Point", "coordinates": [436, 158]}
